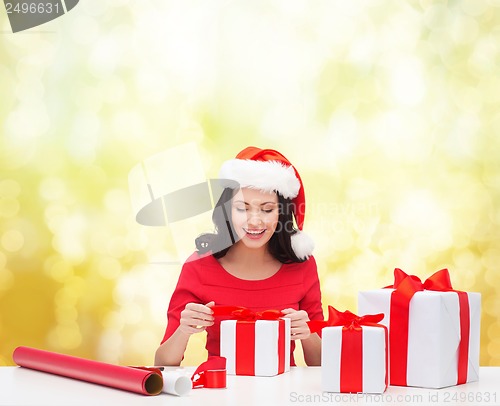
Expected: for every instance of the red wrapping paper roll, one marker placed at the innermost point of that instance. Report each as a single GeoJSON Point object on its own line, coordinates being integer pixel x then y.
{"type": "Point", "coordinates": [120, 377]}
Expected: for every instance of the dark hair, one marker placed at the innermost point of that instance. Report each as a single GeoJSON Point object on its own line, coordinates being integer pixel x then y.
{"type": "Point", "coordinates": [219, 243]}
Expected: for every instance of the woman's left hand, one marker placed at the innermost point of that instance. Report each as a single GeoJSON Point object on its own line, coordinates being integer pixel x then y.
{"type": "Point", "coordinates": [298, 319]}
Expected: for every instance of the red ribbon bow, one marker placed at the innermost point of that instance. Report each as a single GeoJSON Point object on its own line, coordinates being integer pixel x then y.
{"type": "Point", "coordinates": [346, 319]}
{"type": "Point", "coordinates": [245, 335]}
{"type": "Point", "coordinates": [439, 281]}
{"type": "Point", "coordinates": [405, 287]}
{"type": "Point", "coordinates": [244, 314]}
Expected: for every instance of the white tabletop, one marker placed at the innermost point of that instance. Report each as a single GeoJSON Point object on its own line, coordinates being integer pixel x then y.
{"type": "Point", "coordinates": [21, 386]}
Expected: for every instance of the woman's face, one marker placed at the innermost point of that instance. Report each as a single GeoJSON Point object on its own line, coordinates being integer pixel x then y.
{"type": "Point", "coordinates": [255, 216]}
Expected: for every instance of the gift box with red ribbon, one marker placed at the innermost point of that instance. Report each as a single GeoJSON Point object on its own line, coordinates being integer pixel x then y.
{"type": "Point", "coordinates": [353, 352]}
{"type": "Point", "coordinates": [433, 330]}
{"type": "Point", "coordinates": [254, 343]}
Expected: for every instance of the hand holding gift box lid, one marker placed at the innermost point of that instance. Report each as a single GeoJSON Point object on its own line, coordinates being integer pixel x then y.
{"type": "Point", "coordinates": [433, 329]}
{"type": "Point", "coordinates": [254, 343]}
{"type": "Point", "coordinates": [353, 352]}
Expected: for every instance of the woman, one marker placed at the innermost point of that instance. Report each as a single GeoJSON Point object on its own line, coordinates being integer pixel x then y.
{"type": "Point", "coordinates": [257, 258]}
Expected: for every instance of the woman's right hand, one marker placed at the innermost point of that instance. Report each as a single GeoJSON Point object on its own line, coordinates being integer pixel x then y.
{"type": "Point", "coordinates": [196, 317]}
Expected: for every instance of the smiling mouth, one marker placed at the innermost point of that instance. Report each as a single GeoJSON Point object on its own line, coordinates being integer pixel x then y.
{"type": "Point", "coordinates": [254, 232]}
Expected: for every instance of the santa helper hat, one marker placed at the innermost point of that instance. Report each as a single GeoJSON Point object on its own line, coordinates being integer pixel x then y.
{"type": "Point", "coordinates": [269, 171]}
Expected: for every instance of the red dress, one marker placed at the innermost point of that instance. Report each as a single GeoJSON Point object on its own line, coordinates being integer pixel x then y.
{"type": "Point", "coordinates": [203, 280]}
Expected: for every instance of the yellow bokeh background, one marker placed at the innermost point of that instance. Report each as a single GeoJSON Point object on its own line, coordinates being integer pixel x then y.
{"type": "Point", "coordinates": [389, 109]}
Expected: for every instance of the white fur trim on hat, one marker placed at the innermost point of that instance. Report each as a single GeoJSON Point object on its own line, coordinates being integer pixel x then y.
{"type": "Point", "coordinates": [302, 245]}
{"type": "Point", "coordinates": [268, 176]}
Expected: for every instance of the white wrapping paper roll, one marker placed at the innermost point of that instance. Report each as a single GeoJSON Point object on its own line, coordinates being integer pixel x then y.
{"type": "Point", "coordinates": [176, 383]}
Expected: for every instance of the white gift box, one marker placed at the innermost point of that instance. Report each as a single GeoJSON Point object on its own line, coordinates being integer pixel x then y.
{"type": "Point", "coordinates": [267, 352]}
{"type": "Point", "coordinates": [433, 334]}
{"type": "Point", "coordinates": [374, 371]}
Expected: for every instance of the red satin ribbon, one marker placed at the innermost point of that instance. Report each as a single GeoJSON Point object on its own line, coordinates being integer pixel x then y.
{"type": "Point", "coordinates": [405, 287]}
{"type": "Point", "coordinates": [210, 374]}
{"type": "Point", "coordinates": [351, 360]}
{"type": "Point", "coordinates": [281, 347]}
{"type": "Point", "coordinates": [346, 319]}
{"type": "Point", "coordinates": [245, 335]}
{"type": "Point", "coordinates": [351, 355]}
{"type": "Point", "coordinates": [243, 313]}
{"type": "Point", "coordinates": [245, 348]}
